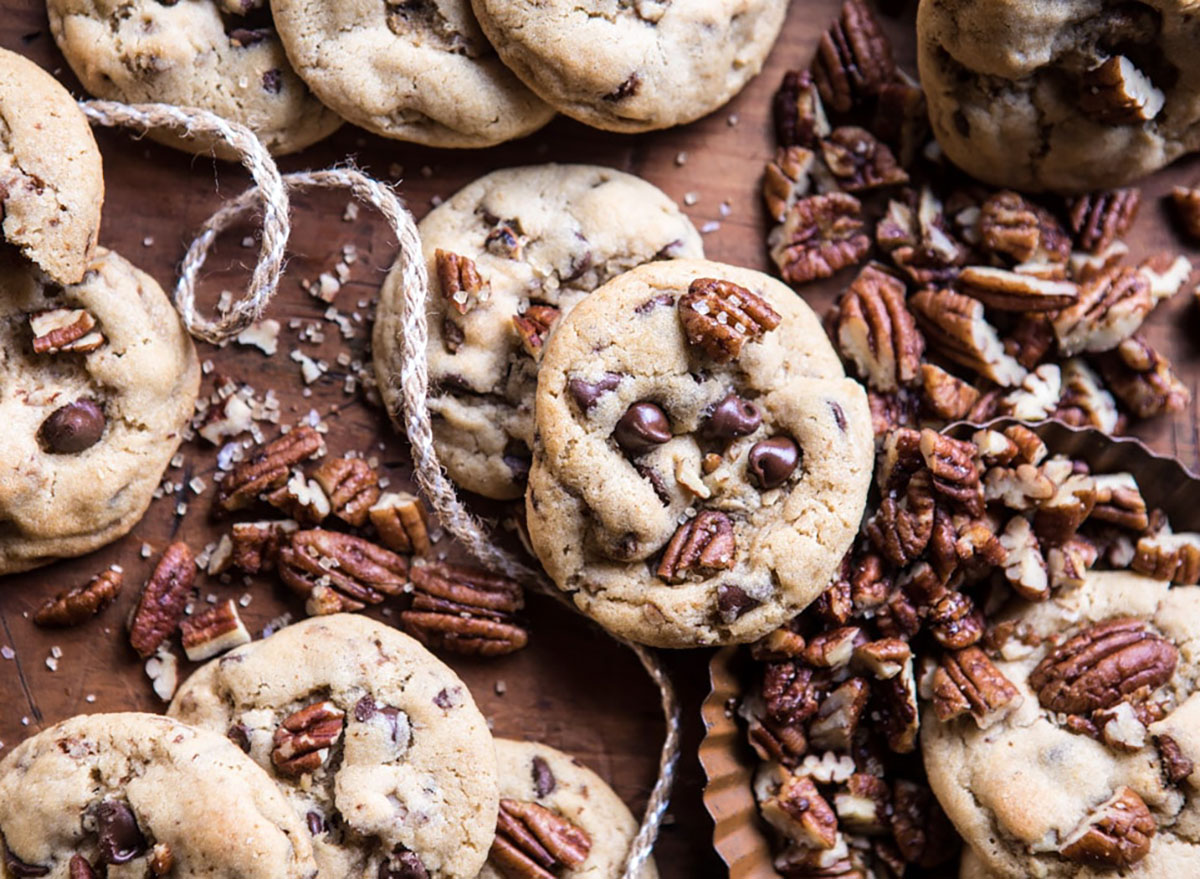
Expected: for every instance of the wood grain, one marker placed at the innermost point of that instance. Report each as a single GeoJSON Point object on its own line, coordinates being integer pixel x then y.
{"type": "Point", "coordinates": [573, 687]}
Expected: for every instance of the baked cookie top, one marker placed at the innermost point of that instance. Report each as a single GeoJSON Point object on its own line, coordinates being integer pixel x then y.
{"type": "Point", "coordinates": [374, 742]}
{"type": "Point", "coordinates": [1093, 773]}
{"type": "Point", "coordinates": [51, 176]}
{"type": "Point", "coordinates": [127, 795]}
{"type": "Point", "coordinates": [421, 72]}
{"type": "Point", "coordinates": [519, 248]}
{"type": "Point", "coordinates": [192, 53]}
{"type": "Point", "coordinates": [97, 382]}
{"type": "Point", "coordinates": [543, 787]}
{"type": "Point", "coordinates": [633, 66]}
{"type": "Point", "coordinates": [701, 462]}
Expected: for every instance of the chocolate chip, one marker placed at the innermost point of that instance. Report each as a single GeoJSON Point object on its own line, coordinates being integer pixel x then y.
{"type": "Point", "coordinates": [452, 335]}
{"type": "Point", "coordinates": [642, 427]}
{"type": "Point", "coordinates": [364, 708]}
{"type": "Point", "coordinates": [403, 864]}
{"type": "Point", "coordinates": [733, 417]}
{"type": "Point", "coordinates": [120, 838]}
{"type": "Point", "coordinates": [656, 482]}
{"type": "Point", "coordinates": [446, 699]}
{"type": "Point", "coordinates": [517, 459]}
{"type": "Point", "coordinates": [773, 460]}
{"type": "Point", "coordinates": [733, 602]}
{"type": "Point", "coordinates": [627, 89]}
{"type": "Point", "coordinates": [79, 868]}
{"type": "Point", "coordinates": [839, 415]}
{"type": "Point", "coordinates": [272, 81]}
{"type": "Point", "coordinates": [247, 36]}
{"type": "Point", "coordinates": [587, 394]}
{"type": "Point", "coordinates": [656, 301]}
{"type": "Point", "coordinates": [316, 824]}
{"type": "Point", "coordinates": [73, 427]}
{"type": "Point", "coordinates": [543, 779]}
{"type": "Point", "coordinates": [240, 736]}
{"type": "Point", "coordinates": [18, 868]}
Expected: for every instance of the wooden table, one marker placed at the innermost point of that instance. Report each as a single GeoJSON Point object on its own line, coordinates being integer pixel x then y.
{"type": "Point", "coordinates": [573, 687]}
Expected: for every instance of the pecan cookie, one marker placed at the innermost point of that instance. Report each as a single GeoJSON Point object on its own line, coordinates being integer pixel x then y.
{"type": "Point", "coordinates": [376, 744]}
{"type": "Point", "coordinates": [701, 462]}
{"type": "Point", "coordinates": [142, 795]}
{"type": "Point", "coordinates": [1093, 773]}
{"type": "Point", "coordinates": [1072, 96]}
{"type": "Point", "coordinates": [518, 248]}
{"type": "Point", "coordinates": [192, 53]}
{"type": "Point", "coordinates": [420, 72]}
{"type": "Point", "coordinates": [51, 179]}
{"type": "Point", "coordinates": [97, 382]}
{"type": "Point", "coordinates": [576, 818]}
{"type": "Point", "coordinates": [633, 66]}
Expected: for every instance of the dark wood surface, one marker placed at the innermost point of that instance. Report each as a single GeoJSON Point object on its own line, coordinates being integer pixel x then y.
{"type": "Point", "coordinates": [573, 687]}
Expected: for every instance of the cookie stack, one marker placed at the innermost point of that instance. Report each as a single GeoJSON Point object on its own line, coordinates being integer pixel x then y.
{"type": "Point", "coordinates": [97, 375]}
{"type": "Point", "coordinates": [439, 73]}
{"type": "Point", "coordinates": [335, 747]}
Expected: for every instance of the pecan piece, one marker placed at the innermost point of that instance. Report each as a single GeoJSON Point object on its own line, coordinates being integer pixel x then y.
{"type": "Point", "coordinates": [701, 546]}
{"type": "Point", "coordinates": [875, 330]}
{"type": "Point", "coordinates": [534, 326]}
{"type": "Point", "coordinates": [966, 681]}
{"type": "Point", "coordinates": [302, 741]}
{"type": "Point", "coordinates": [1119, 501]}
{"type": "Point", "coordinates": [1030, 339]}
{"type": "Point", "coordinates": [59, 330]}
{"type": "Point", "coordinates": [354, 571]}
{"type": "Point", "coordinates": [900, 530]}
{"type": "Point", "coordinates": [1186, 200]}
{"type": "Point", "coordinates": [945, 396]}
{"type": "Point", "coordinates": [820, 235]}
{"type": "Point", "coordinates": [351, 485]}
{"type": "Point", "coordinates": [1059, 516]}
{"type": "Point", "coordinates": [402, 522]}
{"type": "Point", "coordinates": [1110, 308]}
{"type": "Point", "coordinates": [901, 711]}
{"type": "Point", "coordinates": [213, 631]}
{"type": "Point", "coordinates": [531, 841]}
{"type": "Point", "coordinates": [1100, 218]}
{"type": "Point", "coordinates": [1070, 563]}
{"type": "Point", "coordinates": [1037, 396]}
{"type": "Point", "coordinates": [1103, 665]}
{"type": "Point", "coordinates": [301, 499]}
{"type": "Point", "coordinates": [954, 621]}
{"type": "Point", "coordinates": [787, 179]}
{"type": "Point", "coordinates": [74, 606]}
{"type": "Point", "coordinates": [1173, 557]}
{"type": "Point", "coordinates": [1116, 835]}
{"type": "Point", "coordinates": [799, 114]}
{"type": "Point", "coordinates": [837, 719]}
{"type": "Point", "coordinates": [163, 599]}
{"type": "Point", "coordinates": [858, 161]}
{"type": "Point", "coordinates": [854, 58]}
{"type": "Point", "coordinates": [800, 813]}
{"type": "Point", "coordinates": [1085, 402]}
{"type": "Point", "coordinates": [788, 692]}
{"type": "Point", "coordinates": [254, 546]}
{"type": "Point", "coordinates": [1117, 93]}
{"type": "Point", "coordinates": [460, 280]}
{"type": "Point", "coordinates": [918, 241]}
{"type": "Point", "coordinates": [954, 471]}
{"type": "Point", "coordinates": [1006, 290]}
{"type": "Point", "coordinates": [1176, 765]}
{"type": "Point", "coordinates": [465, 610]}
{"type": "Point", "coordinates": [719, 317]}
{"type": "Point", "coordinates": [922, 832]}
{"type": "Point", "coordinates": [268, 467]}
{"type": "Point", "coordinates": [1143, 380]}
{"type": "Point", "coordinates": [834, 648]}
{"type": "Point", "coordinates": [865, 804]}
{"type": "Point", "coordinates": [1025, 566]}
{"type": "Point", "coordinates": [955, 326]}
{"type": "Point", "coordinates": [1021, 230]}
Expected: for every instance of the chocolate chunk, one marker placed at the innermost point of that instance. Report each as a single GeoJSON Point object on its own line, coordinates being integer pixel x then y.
{"type": "Point", "coordinates": [272, 81]}
{"type": "Point", "coordinates": [17, 868]}
{"type": "Point", "coordinates": [316, 824]}
{"type": "Point", "coordinates": [543, 779]}
{"type": "Point", "coordinates": [656, 482]}
{"type": "Point", "coordinates": [518, 460]}
{"type": "Point", "coordinates": [733, 417]}
{"type": "Point", "coordinates": [240, 736]}
{"type": "Point", "coordinates": [364, 708]}
{"type": "Point", "coordinates": [403, 864]}
{"type": "Point", "coordinates": [248, 36]}
{"type": "Point", "coordinates": [79, 868]}
{"type": "Point", "coordinates": [642, 427]}
{"type": "Point", "coordinates": [627, 89]}
{"type": "Point", "coordinates": [120, 838]}
{"type": "Point", "coordinates": [773, 460]}
{"type": "Point", "coordinates": [73, 427]}
{"type": "Point", "coordinates": [587, 394]}
{"type": "Point", "coordinates": [839, 415]}
{"type": "Point", "coordinates": [733, 602]}
{"type": "Point", "coordinates": [445, 699]}
{"type": "Point", "coordinates": [654, 302]}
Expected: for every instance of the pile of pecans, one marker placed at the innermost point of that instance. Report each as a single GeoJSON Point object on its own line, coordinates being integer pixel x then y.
{"type": "Point", "coordinates": [978, 303]}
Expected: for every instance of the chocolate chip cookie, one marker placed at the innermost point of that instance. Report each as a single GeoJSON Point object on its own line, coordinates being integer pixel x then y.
{"type": "Point", "coordinates": [543, 788]}
{"type": "Point", "coordinates": [373, 741]}
{"type": "Point", "coordinates": [972, 867]}
{"type": "Point", "coordinates": [218, 56]}
{"type": "Point", "coordinates": [508, 255]}
{"type": "Point", "coordinates": [1072, 96]}
{"type": "Point", "coordinates": [633, 66]}
{"type": "Point", "coordinates": [141, 795]}
{"type": "Point", "coordinates": [51, 178]}
{"type": "Point", "coordinates": [420, 72]}
{"type": "Point", "coordinates": [1091, 772]}
{"type": "Point", "coordinates": [97, 383]}
{"type": "Point", "coordinates": [701, 461]}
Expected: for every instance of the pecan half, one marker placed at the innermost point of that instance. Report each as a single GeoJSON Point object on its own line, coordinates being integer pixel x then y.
{"type": "Point", "coordinates": [1142, 378]}
{"type": "Point", "coordinates": [953, 620]}
{"type": "Point", "coordinates": [254, 546]}
{"type": "Point", "coordinates": [954, 471]}
{"type": "Point", "coordinates": [213, 631]}
{"type": "Point", "coordinates": [1119, 501]}
{"type": "Point", "coordinates": [1005, 290]}
{"type": "Point", "coordinates": [701, 546]}
{"type": "Point", "coordinates": [302, 741]}
{"type": "Point", "coordinates": [799, 114]}
{"type": "Point", "coordinates": [1116, 835]}
{"type": "Point", "coordinates": [945, 396]}
{"type": "Point", "coordinates": [1110, 308]}
{"type": "Point", "coordinates": [1100, 218]}
{"type": "Point", "coordinates": [967, 682]}
{"type": "Point", "coordinates": [786, 179]}
{"type": "Point", "coordinates": [955, 326]}
{"type": "Point", "coordinates": [163, 599]}
{"type": "Point", "coordinates": [858, 161]}
{"type": "Point", "coordinates": [819, 236]}
{"type": "Point", "coordinates": [875, 330]}
{"type": "Point", "coordinates": [465, 610]}
{"type": "Point", "coordinates": [1173, 557]}
{"type": "Point", "coordinates": [532, 841]}
{"type": "Point", "coordinates": [534, 326]}
{"type": "Point", "coordinates": [74, 606]}
{"type": "Point", "coordinates": [460, 280]}
{"type": "Point", "coordinates": [402, 522]}
{"type": "Point", "coordinates": [357, 571]}
{"type": "Point", "coordinates": [59, 330]}
{"type": "Point", "coordinates": [800, 813]}
{"type": "Point", "coordinates": [719, 317]}
{"type": "Point", "coordinates": [1117, 93]}
{"type": "Point", "coordinates": [854, 58]}
{"type": "Point", "coordinates": [1103, 665]}
{"type": "Point", "coordinates": [1021, 230]}
{"type": "Point", "coordinates": [268, 467]}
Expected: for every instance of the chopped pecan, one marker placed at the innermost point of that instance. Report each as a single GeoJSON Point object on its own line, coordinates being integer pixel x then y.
{"type": "Point", "coordinates": [162, 859]}
{"type": "Point", "coordinates": [213, 631]}
{"type": "Point", "coordinates": [954, 620]}
{"type": "Point", "coordinates": [1100, 218]}
{"type": "Point", "coordinates": [465, 610]}
{"type": "Point", "coordinates": [834, 648]}
{"type": "Point", "coordinates": [352, 486]}
{"type": "Point", "coordinates": [799, 114]}
{"type": "Point", "coordinates": [835, 604]}
{"type": "Point", "coordinates": [255, 545]}
{"type": "Point", "coordinates": [901, 712]}
{"type": "Point", "coordinates": [1010, 225]}
{"type": "Point", "coordinates": [1176, 765]}
{"type": "Point", "coordinates": [1117, 93]}
{"type": "Point", "coordinates": [268, 467]}
{"type": "Point", "coordinates": [776, 742]}
{"type": "Point", "coordinates": [59, 330]}
{"type": "Point", "coordinates": [1085, 402]}
{"type": "Point", "coordinates": [1006, 290]}
{"type": "Point", "coordinates": [875, 330]}
{"type": "Point", "coordinates": [1173, 557]}
{"type": "Point", "coordinates": [1037, 396]}
{"type": "Point", "coordinates": [864, 806]}
{"type": "Point", "coordinates": [891, 411]}
{"type": "Point", "coordinates": [900, 529]}
{"type": "Point", "coordinates": [301, 499]}
{"type": "Point", "coordinates": [900, 457]}
{"type": "Point", "coordinates": [884, 657]}
{"type": "Point", "coordinates": [1186, 200]}
{"type": "Point", "coordinates": [800, 813]}
{"type": "Point", "coordinates": [837, 719]}
{"type": "Point", "coordinates": [460, 281]}
{"type": "Point", "coordinates": [945, 396]}
{"type": "Point", "coordinates": [534, 326]}
{"type": "Point", "coordinates": [1019, 488]}
{"type": "Point", "coordinates": [952, 465]}
{"type": "Point", "coordinates": [820, 235]}
{"type": "Point", "coordinates": [921, 830]}
{"type": "Point", "coordinates": [1143, 380]}
{"type": "Point", "coordinates": [700, 546]}
{"type": "Point", "coordinates": [1030, 339]}
{"type": "Point", "coordinates": [1166, 274]}
{"type": "Point", "coordinates": [778, 645]}
{"type": "Point", "coordinates": [1059, 516]}
{"type": "Point", "coordinates": [1116, 835]}
{"type": "Point", "coordinates": [1070, 563]}
{"type": "Point", "coordinates": [1119, 501]}
{"type": "Point", "coordinates": [787, 179]}
{"type": "Point", "coordinates": [719, 317]}
{"type": "Point", "coordinates": [533, 842]}
{"type": "Point", "coordinates": [74, 606]}
{"type": "Point", "coordinates": [854, 58]}
{"type": "Point", "coordinates": [1025, 566]}
{"type": "Point", "coordinates": [788, 692]}
{"type": "Point", "coordinates": [1085, 266]}
{"type": "Point", "coordinates": [858, 161]}
{"type": "Point", "coordinates": [355, 571]}
{"type": "Point", "coordinates": [955, 326]}
{"type": "Point", "coordinates": [163, 599]}
{"type": "Point", "coordinates": [966, 681]}
{"type": "Point", "coordinates": [302, 741]}
{"type": "Point", "coordinates": [402, 522]}
{"type": "Point", "coordinates": [870, 584]}
{"type": "Point", "coordinates": [917, 239]}
{"type": "Point", "coordinates": [505, 240]}
{"type": "Point", "coordinates": [1110, 308]}
{"type": "Point", "coordinates": [1030, 448]}
{"type": "Point", "coordinates": [1103, 665]}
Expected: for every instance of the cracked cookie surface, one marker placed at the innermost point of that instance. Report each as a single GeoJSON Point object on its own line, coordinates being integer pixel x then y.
{"type": "Point", "coordinates": [701, 461]}
{"type": "Point", "coordinates": [51, 177]}
{"type": "Point", "coordinates": [419, 71]}
{"type": "Point", "coordinates": [633, 65]}
{"type": "Point", "coordinates": [93, 417]}
{"type": "Point", "coordinates": [540, 236]}
{"type": "Point", "coordinates": [1025, 792]}
{"type": "Point", "coordinates": [1074, 96]}
{"type": "Point", "coordinates": [374, 742]}
{"type": "Point", "coordinates": [192, 53]}
{"type": "Point", "coordinates": [129, 793]}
